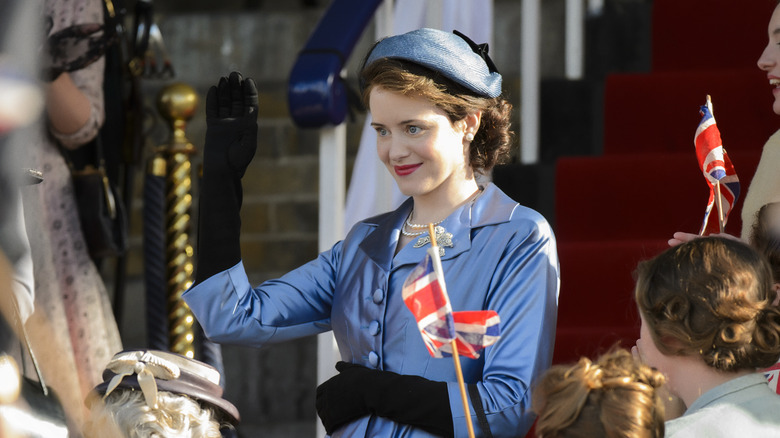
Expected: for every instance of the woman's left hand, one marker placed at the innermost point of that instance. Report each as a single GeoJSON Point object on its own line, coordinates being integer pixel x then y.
{"type": "Point", "coordinates": [340, 399]}
{"type": "Point", "coordinates": [358, 391]}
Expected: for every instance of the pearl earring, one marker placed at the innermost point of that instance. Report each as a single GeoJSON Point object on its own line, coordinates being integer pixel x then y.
{"type": "Point", "coordinates": [469, 137]}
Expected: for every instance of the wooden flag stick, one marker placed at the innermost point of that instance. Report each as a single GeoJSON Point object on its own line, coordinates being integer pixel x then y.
{"type": "Point", "coordinates": [718, 199]}
{"type": "Point", "coordinates": [719, 204]}
{"type": "Point", "coordinates": [455, 356]}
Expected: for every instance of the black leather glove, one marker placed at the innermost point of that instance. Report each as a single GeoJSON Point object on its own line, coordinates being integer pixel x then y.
{"type": "Point", "coordinates": [231, 141]}
{"type": "Point", "coordinates": [358, 391]}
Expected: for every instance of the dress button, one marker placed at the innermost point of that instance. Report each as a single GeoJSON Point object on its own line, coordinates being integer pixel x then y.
{"type": "Point", "coordinates": [373, 328]}
{"type": "Point", "coordinates": [373, 359]}
{"type": "Point", "coordinates": [378, 296]}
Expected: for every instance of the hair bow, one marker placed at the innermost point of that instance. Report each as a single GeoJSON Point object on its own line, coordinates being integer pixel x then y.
{"type": "Point", "coordinates": [479, 49]}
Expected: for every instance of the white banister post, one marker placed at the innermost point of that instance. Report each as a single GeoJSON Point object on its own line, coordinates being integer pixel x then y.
{"type": "Point", "coordinates": [331, 229]}
{"type": "Point", "coordinates": [575, 38]}
{"type": "Point", "coordinates": [529, 78]}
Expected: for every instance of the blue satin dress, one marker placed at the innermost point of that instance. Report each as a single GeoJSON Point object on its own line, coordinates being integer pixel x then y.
{"type": "Point", "coordinates": [503, 258]}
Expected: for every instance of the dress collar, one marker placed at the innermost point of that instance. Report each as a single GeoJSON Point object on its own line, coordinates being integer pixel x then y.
{"type": "Point", "coordinates": [490, 207]}
{"type": "Point", "coordinates": [735, 385]}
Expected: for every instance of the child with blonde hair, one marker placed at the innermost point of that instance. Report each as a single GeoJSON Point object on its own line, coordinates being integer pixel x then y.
{"type": "Point", "coordinates": [617, 397]}
{"type": "Point", "coordinates": [156, 394]}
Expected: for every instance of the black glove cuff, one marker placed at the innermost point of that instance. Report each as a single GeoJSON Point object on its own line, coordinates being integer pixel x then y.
{"type": "Point", "coordinates": [219, 226]}
{"type": "Point", "coordinates": [406, 399]}
{"type": "Point", "coordinates": [413, 400]}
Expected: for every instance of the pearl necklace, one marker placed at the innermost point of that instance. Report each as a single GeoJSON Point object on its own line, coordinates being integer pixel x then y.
{"type": "Point", "coordinates": [442, 237]}
{"type": "Point", "coordinates": [412, 234]}
{"type": "Point", "coordinates": [411, 225]}
{"type": "Point", "coordinates": [422, 228]}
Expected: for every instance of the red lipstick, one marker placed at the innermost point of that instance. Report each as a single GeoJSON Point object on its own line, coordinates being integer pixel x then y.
{"type": "Point", "coordinates": [406, 169]}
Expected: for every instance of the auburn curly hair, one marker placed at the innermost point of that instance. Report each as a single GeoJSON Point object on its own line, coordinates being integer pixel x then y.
{"type": "Point", "coordinates": [615, 397]}
{"type": "Point", "coordinates": [711, 297]}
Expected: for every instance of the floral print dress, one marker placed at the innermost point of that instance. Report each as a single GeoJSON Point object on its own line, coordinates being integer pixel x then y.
{"type": "Point", "coordinates": [72, 329]}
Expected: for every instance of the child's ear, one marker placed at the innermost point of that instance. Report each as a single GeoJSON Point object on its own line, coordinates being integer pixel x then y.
{"type": "Point", "coordinates": [776, 288]}
{"type": "Point", "coordinates": [672, 343]}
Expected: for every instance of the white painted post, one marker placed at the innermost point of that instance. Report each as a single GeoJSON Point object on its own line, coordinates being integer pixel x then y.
{"type": "Point", "coordinates": [333, 141]}
{"type": "Point", "coordinates": [333, 172]}
{"type": "Point", "coordinates": [385, 18]}
{"type": "Point", "coordinates": [333, 147]}
{"type": "Point", "coordinates": [595, 7]}
{"type": "Point", "coordinates": [529, 75]}
{"type": "Point", "coordinates": [575, 38]}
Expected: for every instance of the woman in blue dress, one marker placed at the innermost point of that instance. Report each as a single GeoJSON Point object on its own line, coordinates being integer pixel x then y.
{"type": "Point", "coordinates": [435, 102]}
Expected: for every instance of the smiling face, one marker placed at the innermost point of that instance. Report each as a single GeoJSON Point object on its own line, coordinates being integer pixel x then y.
{"type": "Point", "coordinates": [424, 152]}
{"type": "Point", "coordinates": [770, 57]}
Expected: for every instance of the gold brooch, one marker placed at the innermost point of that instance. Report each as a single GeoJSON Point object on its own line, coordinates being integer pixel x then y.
{"type": "Point", "coordinates": [443, 238]}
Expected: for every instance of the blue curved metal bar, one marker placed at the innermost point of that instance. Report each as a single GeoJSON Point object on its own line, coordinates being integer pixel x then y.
{"type": "Point", "coordinates": [316, 91]}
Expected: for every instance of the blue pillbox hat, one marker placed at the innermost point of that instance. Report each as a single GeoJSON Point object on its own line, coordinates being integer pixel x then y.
{"type": "Point", "coordinates": [451, 54]}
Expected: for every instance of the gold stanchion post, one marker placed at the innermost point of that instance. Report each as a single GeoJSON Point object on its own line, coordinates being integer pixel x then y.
{"type": "Point", "coordinates": [177, 103]}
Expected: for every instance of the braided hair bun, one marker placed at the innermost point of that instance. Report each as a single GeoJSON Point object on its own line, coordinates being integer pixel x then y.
{"type": "Point", "coordinates": [617, 396]}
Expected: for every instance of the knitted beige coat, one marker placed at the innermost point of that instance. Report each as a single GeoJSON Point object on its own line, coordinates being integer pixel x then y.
{"type": "Point", "coordinates": [765, 187]}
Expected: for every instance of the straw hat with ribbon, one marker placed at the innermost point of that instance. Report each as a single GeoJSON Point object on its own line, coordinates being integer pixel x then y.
{"type": "Point", "coordinates": [153, 370]}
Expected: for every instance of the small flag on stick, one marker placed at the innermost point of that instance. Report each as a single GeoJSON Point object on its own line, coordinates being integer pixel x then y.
{"type": "Point", "coordinates": [425, 295]}
{"type": "Point", "coordinates": [444, 332]}
{"type": "Point", "coordinates": [474, 330]}
{"type": "Point", "coordinates": [718, 171]}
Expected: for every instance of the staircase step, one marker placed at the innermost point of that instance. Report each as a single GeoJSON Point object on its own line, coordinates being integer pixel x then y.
{"type": "Point", "coordinates": [531, 185]}
{"type": "Point", "coordinates": [570, 111]}
{"type": "Point", "coordinates": [596, 307]}
{"type": "Point", "coordinates": [638, 196]}
{"type": "Point", "coordinates": [659, 112]}
{"type": "Point", "coordinates": [707, 35]}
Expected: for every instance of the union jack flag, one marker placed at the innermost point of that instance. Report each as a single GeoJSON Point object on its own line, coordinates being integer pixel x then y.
{"type": "Point", "coordinates": [474, 330]}
{"type": "Point", "coordinates": [772, 375]}
{"type": "Point", "coordinates": [425, 294]}
{"type": "Point", "coordinates": [716, 166]}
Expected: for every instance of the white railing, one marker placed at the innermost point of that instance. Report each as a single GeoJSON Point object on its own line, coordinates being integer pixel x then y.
{"type": "Point", "coordinates": [530, 61]}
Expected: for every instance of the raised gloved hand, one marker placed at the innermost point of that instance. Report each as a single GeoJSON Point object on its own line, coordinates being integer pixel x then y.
{"type": "Point", "coordinates": [231, 142]}
{"type": "Point", "coordinates": [358, 391]}
{"type": "Point", "coordinates": [231, 126]}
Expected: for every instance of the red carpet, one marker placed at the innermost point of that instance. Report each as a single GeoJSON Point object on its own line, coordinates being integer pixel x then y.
{"type": "Point", "coordinates": [613, 210]}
